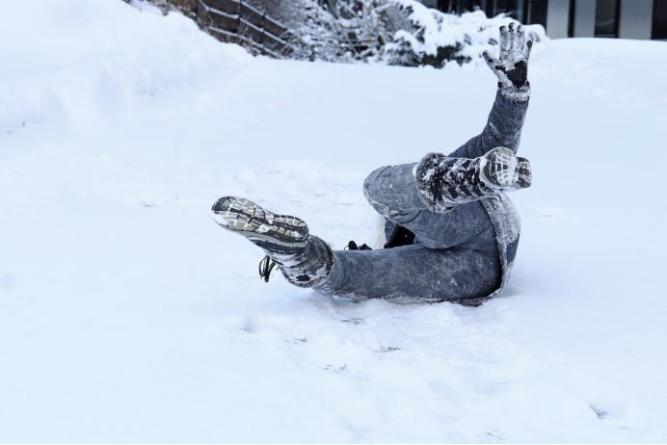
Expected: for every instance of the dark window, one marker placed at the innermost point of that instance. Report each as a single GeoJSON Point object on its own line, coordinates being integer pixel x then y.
{"type": "Point", "coordinates": [535, 11]}
{"type": "Point", "coordinates": [486, 6]}
{"type": "Point", "coordinates": [508, 6]}
{"type": "Point", "coordinates": [495, 7]}
{"type": "Point", "coordinates": [570, 18]}
{"type": "Point", "coordinates": [606, 18]}
{"type": "Point", "coordinates": [526, 11]}
{"type": "Point", "coordinates": [447, 5]}
{"type": "Point", "coordinates": [470, 5]}
{"type": "Point", "coordinates": [659, 19]}
{"type": "Point", "coordinates": [459, 6]}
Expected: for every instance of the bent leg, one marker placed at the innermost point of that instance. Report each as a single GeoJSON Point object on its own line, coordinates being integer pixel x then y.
{"type": "Point", "coordinates": [392, 191]}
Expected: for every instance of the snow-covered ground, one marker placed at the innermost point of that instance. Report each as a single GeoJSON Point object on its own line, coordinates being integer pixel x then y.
{"type": "Point", "coordinates": [126, 314]}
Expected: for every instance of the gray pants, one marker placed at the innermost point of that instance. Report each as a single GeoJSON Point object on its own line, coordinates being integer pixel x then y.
{"type": "Point", "coordinates": [454, 255]}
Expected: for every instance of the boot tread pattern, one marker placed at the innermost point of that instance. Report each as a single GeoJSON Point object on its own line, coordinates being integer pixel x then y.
{"type": "Point", "coordinates": [444, 182]}
{"type": "Point", "coordinates": [251, 220]}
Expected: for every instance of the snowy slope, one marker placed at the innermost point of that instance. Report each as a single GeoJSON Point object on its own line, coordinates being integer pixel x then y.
{"type": "Point", "coordinates": [126, 314]}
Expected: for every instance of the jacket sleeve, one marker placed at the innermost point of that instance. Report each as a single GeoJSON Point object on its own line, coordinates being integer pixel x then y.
{"type": "Point", "coordinates": [503, 128]}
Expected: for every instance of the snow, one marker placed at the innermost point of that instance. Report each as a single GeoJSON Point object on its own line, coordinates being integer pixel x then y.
{"type": "Point", "coordinates": [473, 31]}
{"type": "Point", "coordinates": [126, 314]}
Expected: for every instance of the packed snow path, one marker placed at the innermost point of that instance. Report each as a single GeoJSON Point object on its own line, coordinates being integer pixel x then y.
{"type": "Point", "coordinates": [126, 314]}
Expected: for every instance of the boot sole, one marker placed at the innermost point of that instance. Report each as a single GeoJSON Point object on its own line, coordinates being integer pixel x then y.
{"type": "Point", "coordinates": [504, 169]}
{"type": "Point", "coordinates": [255, 223]}
{"type": "Point", "coordinates": [498, 167]}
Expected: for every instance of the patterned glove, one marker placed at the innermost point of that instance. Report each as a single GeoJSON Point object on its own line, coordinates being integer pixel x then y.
{"type": "Point", "coordinates": [511, 68]}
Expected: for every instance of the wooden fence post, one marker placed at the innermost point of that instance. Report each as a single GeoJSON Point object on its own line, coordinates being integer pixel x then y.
{"type": "Point", "coordinates": [255, 29]}
{"type": "Point", "coordinates": [263, 29]}
{"type": "Point", "coordinates": [202, 14]}
{"type": "Point", "coordinates": [239, 26]}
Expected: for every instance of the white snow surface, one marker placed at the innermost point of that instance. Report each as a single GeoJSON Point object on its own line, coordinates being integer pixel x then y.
{"type": "Point", "coordinates": [126, 314]}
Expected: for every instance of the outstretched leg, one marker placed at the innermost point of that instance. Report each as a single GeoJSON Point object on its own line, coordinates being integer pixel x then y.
{"type": "Point", "coordinates": [418, 274]}
{"type": "Point", "coordinates": [405, 274]}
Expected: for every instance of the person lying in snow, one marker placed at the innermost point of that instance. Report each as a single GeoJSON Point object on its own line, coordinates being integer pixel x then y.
{"type": "Point", "coordinates": [452, 232]}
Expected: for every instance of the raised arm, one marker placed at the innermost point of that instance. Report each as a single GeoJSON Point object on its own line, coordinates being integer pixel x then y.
{"type": "Point", "coordinates": [503, 127]}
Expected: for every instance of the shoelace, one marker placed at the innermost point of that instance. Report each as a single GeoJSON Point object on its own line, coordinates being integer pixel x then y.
{"type": "Point", "coordinates": [266, 266]}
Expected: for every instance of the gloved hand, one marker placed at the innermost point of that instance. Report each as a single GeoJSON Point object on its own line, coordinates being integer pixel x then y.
{"type": "Point", "coordinates": [512, 66]}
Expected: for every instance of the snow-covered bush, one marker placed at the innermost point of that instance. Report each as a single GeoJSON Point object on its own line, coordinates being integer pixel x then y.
{"type": "Point", "coordinates": [430, 37]}
{"type": "Point", "coordinates": [343, 31]}
{"type": "Point", "coordinates": [398, 32]}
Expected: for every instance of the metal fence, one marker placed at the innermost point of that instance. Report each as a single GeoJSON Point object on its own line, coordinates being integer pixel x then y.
{"type": "Point", "coordinates": [235, 21]}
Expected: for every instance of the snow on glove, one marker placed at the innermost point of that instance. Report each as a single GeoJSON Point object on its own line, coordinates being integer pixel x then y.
{"type": "Point", "coordinates": [511, 68]}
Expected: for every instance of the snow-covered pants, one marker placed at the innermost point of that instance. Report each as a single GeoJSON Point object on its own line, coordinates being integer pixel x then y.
{"type": "Point", "coordinates": [455, 255]}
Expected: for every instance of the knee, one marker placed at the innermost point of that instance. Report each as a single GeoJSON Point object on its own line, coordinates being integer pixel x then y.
{"type": "Point", "coordinates": [375, 191]}
{"type": "Point", "coordinates": [372, 184]}
{"type": "Point", "coordinates": [391, 190]}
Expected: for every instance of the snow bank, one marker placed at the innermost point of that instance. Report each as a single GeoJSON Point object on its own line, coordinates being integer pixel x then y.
{"type": "Point", "coordinates": [78, 59]}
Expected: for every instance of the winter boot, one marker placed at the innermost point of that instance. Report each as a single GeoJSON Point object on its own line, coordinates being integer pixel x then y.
{"type": "Point", "coordinates": [444, 182]}
{"type": "Point", "coordinates": [305, 260]}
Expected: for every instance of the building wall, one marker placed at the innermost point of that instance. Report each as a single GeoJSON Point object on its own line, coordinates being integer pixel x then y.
{"type": "Point", "coordinates": [636, 19]}
{"type": "Point", "coordinates": [631, 19]}
{"type": "Point", "coordinates": [558, 18]}
{"type": "Point", "coordinates": [583, 22]}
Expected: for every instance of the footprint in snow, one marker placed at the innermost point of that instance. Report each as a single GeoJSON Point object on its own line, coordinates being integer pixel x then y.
{"type": "Point", "coordinates": [355, 321]}
{"type": "Point", "coordinates": [297, 340]}
{"type": "Point", "coordinates": [493, 436]}
{"type": "Point", "coordinates": [600, 412]}
{"type": "Point", "coordinates": [249, 326]}
{"type": "Point", "coordinates": [6, 282]}
{"type": "Point", "coordinates": [336, 369]}
{"type": "Point", "coordinates": [385, 349]}
{"type": "Point", "coordinates": [621, 415]}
